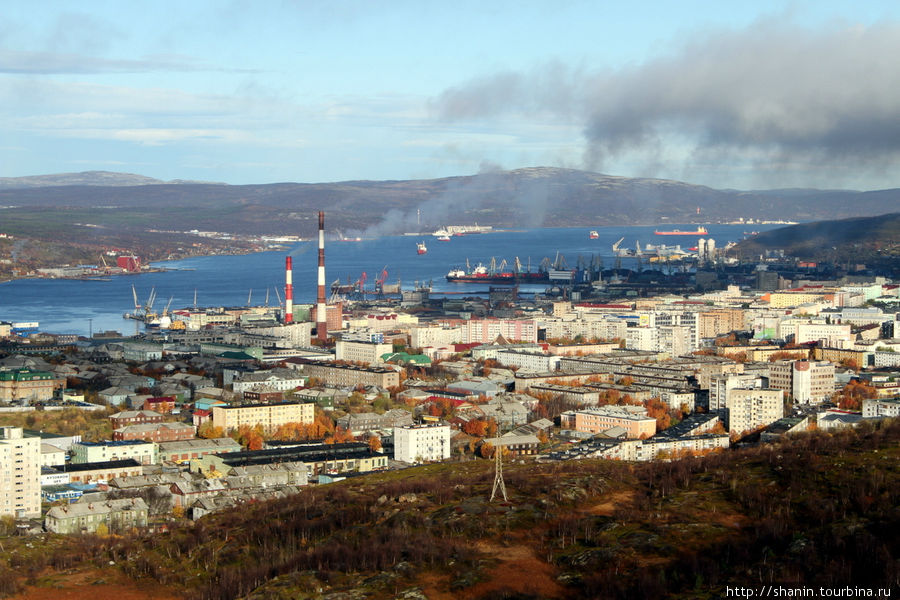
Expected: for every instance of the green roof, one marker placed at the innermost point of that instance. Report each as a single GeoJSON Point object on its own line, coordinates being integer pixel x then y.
{"type": "Point", "coordinates": [404, 358]}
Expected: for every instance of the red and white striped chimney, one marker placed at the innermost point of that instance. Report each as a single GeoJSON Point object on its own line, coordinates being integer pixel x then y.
{"type": "Point", "coordinates": [321, 309]}
{"type": "Point", "coordinates": [288, 290]}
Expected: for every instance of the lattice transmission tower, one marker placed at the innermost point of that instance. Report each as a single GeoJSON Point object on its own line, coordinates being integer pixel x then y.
{"type": "Point", "coordinates": [498, 474]}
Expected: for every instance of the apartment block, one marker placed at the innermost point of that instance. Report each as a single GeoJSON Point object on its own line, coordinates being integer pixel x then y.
{"type": "Point", "coordinates": [270, 416]}
{"type": "Point", "coordinates": [20, 473]}
{"type": "Point", "coordinates": [749, 409]}
{"type": "Point", "coordinates": [342, 375]}
{"type": "Point", "coordinates": [422, 442]}
{"type": "Point", "coordinates": [633, 419]}
{"type": "Point", "coordinates": [808, 382]}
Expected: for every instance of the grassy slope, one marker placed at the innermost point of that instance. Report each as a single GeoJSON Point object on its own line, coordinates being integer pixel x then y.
{"type": "Point", "coordinates": [822, 509]}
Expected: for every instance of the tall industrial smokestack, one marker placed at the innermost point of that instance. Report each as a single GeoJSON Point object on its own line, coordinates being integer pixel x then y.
{"type": "Point", "coordinates": [321, 309]}
{"type": "Point", "coordinates": [288, 290]}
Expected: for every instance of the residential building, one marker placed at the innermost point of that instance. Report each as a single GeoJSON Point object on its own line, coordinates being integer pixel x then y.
{"type": "Point", "coordinates": [28, 386]}
{"type": "Point", "coordinates": [155, 432]}
{"type": "Point", "coordinates": [361, 351]}
{"type": "Point", "coordinates": [422, 442]}
{"type": "Point", "coordinates": [91, 452]}
{"type": "Point", "coordinates": [808, 382]}
{"type": "Point", "coordinates": [87, 517]}
{"type": "Point", "coordinates": [717, 322]}
{"type": "Point", "coordinates": [487, 330]}
{"type": "Point", "coordinates": [282, 380]}
{"type": "Point", "coordinates": [633, 419]}
{"type": "Point", "coordinates": [880, 408]}
{"type": "Point", "coordinates": [749, 409]}
{"type": "Point", "coordinates": [163, 405]}
{"type": "Point", "coordinates": [342, 375]}
{"type": "Point", "coordinates": [719, 386]}
{"type": "Point", "coordinates": [134, 417]}
{"type": "Point", "coordinates": [270, 416]}
{"type": "Point", "coordinates": [20, 473]}
{"type": "Point", "coordinates": [358, 423]}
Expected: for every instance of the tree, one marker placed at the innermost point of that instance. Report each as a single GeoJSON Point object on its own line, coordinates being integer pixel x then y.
{"type": "Point", "coordinates": [487, 450]}
{"type": "Point", "coordinates": [475, 427]}
{"type": "Point", "coordinates": [340, 436]}
{"type": "Point", "coordinates": [375, 443]}
{"type": "Point", "coordinates": [208, 431]}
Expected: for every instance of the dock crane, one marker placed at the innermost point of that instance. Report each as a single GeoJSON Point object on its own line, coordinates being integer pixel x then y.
{"type": "Point", "coordinates": [379, 282]}
{"type": "Point", "coordinates": [137, 304]}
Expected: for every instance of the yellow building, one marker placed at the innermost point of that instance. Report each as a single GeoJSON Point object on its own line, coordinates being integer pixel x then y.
{"type": "Point", "coordinates": [270, 416]}
{"type": "Point", "coordinates": [714, 323]}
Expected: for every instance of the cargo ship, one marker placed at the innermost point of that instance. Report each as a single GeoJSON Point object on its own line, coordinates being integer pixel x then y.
{"type": "Point", "coordinates": [700, 231]}
{"type": "Point", "coordinates": [420, 248]}
{"type": "Point", "coordinates": [480, 274]}
{"type": "Point", "coordinates": [497, 274]}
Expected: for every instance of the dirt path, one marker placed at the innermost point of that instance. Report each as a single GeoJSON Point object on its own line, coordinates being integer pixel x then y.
{"type": "Point", "coordinates": [95, 584]}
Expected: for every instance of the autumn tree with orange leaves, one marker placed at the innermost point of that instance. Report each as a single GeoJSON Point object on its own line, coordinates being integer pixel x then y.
{"type": "Point", "coordinates": [852, 394]}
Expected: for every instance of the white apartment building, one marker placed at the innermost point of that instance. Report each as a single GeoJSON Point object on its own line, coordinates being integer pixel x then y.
{"type": "Point", "coordinates": [295, 334]}
{"type": "Point", "coordinates": [641, 338]}
{"type": "Point", "coordinates": [829, 336]}
{"type": "Point", "coordinates": [529, 361]}
{"type": "Point", "coordinates": [281, 380]}
{"type": "Point", "coordinates": [20, 473]}
{"type": "Point", "coordinates": [880, 408]}
{"type": "Point", "coordinates": [749, 409]}
{"type": "Point", "coordinates": [677, 340]}
{"type": "Point", "coordinates": [361, 351]}
{"type": "Point", "coordinates": [422, 442]}
{"type": "Point", "coordinates": [719, 386]}
{"type": "Point", "coordinates": [422, 337]}
{"type": "Point", "coordinates": [145, 453]}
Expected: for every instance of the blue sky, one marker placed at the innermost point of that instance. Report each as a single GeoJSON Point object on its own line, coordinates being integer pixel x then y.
{"type": "Point", "coordinates": [728, 94]}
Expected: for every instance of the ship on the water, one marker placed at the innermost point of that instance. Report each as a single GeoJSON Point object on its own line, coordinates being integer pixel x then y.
{"type": "Point", "coordinates": [420, 248]}
{"type": "Point", "coordinates": [593, 235]}
{"type": "Point", "coordinates": [497, 274]}
{"type": "Point", "coordinates": [701, 230]}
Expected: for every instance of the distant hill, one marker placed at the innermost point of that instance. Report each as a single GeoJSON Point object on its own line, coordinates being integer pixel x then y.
{"type": "Point", "coordinates": [93, 178]}
{"type": "Point", "coordinates": [843, 238]}
{"type": "Point", "coordinates": [529, 197]}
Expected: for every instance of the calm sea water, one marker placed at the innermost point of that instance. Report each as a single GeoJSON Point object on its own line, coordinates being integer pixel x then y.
{"type": "Point", "coordinates": [75, 306]}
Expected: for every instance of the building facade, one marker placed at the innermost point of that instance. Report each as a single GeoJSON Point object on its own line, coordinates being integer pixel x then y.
{"type": "Point", "coordinates": [20, 473]}
{"type": "Point", "coordinates": [93, 452]}
{"type": "Point", "coordinates": [808, 382]}
{"type": "Point", "coordinates": [270, 416]}
{"type": "Point", "coordinates": [750, 409]}
{"type": "Point", "coordinates": [422, 443]}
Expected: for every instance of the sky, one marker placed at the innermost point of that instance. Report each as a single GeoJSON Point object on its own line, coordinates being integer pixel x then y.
{"type": "Point", "coordinates": [745, 95]}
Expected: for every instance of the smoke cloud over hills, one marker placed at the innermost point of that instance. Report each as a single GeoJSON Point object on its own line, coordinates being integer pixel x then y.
{"type": "Point", "coordinates": [802, 105]}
